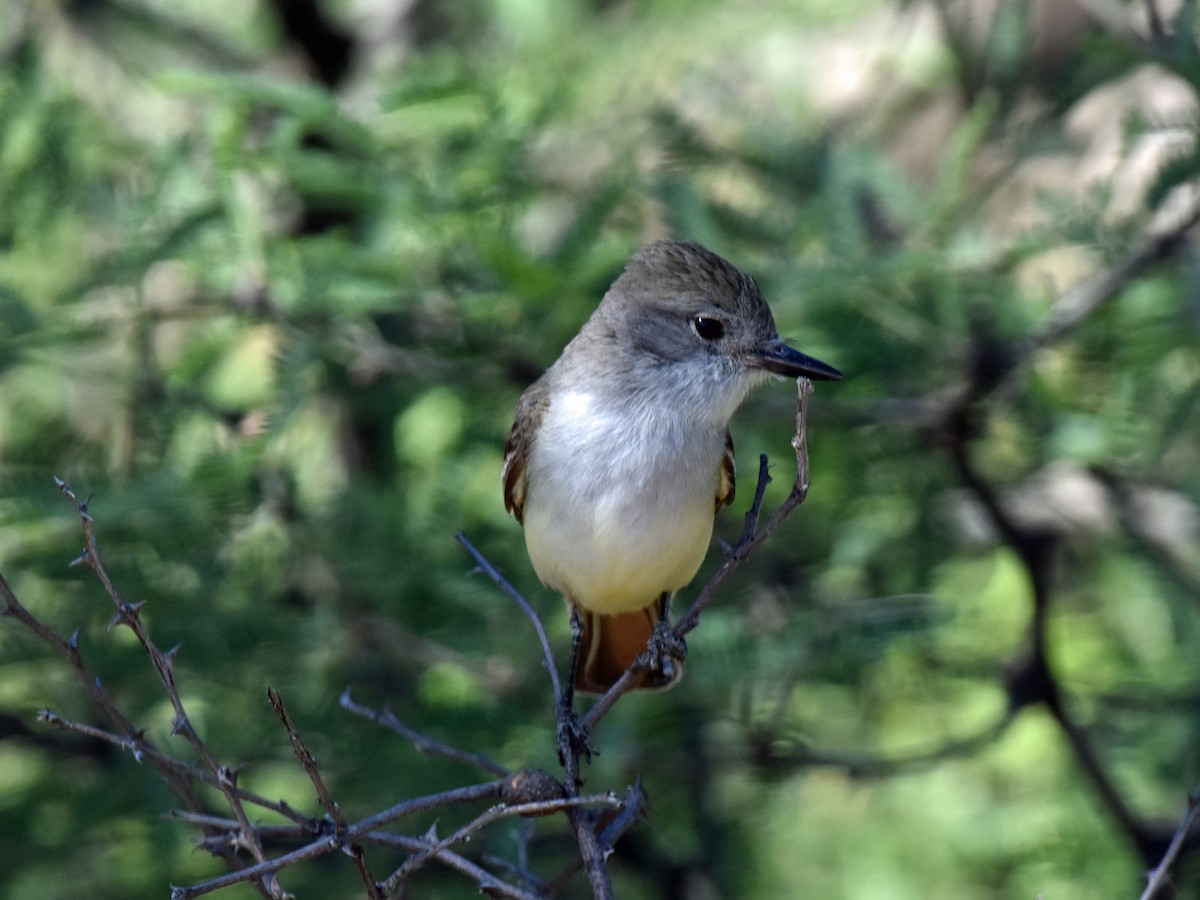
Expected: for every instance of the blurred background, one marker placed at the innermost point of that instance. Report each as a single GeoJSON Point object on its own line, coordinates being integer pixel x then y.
{"type": "Point", "coordinates": [273, 275]}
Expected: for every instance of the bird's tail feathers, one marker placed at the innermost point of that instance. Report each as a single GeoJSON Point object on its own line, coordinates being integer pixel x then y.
{"type": "Point", "coordinates": [609, 645]}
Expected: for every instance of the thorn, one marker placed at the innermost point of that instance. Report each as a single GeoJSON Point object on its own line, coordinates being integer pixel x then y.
{"type": "Point", "coordinates": [114, 621]}
{"type": "Point", "coordinates": [80, 560]}
{"type": "Point", "coordinates": [134, 608]}
{"type": "Point", "coordinates": [178, 725]}
{"type": "Point", "coordinates": [431, 834]}
{"type": "Point", "coordinates": [73, 642]}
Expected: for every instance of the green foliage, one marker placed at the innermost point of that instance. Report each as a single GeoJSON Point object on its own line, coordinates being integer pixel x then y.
{"type": "Point", "coordinates": [277, 332]}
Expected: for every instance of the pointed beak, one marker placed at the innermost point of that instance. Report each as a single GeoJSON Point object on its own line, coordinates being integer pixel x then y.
{"type": "Point", "coordinates": [776, 356]}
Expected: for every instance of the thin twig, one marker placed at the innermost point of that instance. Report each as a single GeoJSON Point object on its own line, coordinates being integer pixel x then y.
{"type": "Point", "coordinates": [520, 869]}
{"type": "Point", "coordinates": [329, 843]}
{"type": "Point", "coordinates": [367, 830]}
{"type": "Point", "coordinates": [633, 807]}
{"type": "Point", "coordinates": [128, 614]}
{"type": "Point", "coordinates": [606, 833]}
{"type": "Point", "coordinates": [142, 749]}
{"type": "Point", "coordinates": [309, 763]}
{"type": "Point", "coordinates": [422, 742]}
{"type": "Point", "coordinates": [750, 522]}
{"type": "Point", "coordinates": [503, 583]}
{"type": "Point", "coordinates": [1161, 873]}
{"type": "Point", "coordinates": [416, 861]}
{"type": "Point", "coordinates": [877, 767]}
{"type": "Point", "coordinates": [487, 882]}
{"type": "Point", "coordinates": [1077, 304]}
{"type": "Point", "coordinates": [580, 819]}
{"type": "Point", "coordinates": [488, 790]}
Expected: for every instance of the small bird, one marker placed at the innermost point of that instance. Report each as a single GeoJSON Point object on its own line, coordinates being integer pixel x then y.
{"type": "Point", "coordinates": [620, 454]}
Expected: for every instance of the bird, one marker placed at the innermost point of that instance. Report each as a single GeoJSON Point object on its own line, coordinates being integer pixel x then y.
{"type": "Point", "coordinates": [620, 454]}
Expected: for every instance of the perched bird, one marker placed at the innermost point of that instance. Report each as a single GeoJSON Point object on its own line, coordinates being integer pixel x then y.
{"type": "Point", "coordinates": [620, 454]}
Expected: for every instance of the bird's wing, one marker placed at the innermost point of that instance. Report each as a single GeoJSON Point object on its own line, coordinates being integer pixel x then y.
{"type": "Point", "coordinates": [726, 474]}
{"type": "Point", "coordinates": [528, 416]}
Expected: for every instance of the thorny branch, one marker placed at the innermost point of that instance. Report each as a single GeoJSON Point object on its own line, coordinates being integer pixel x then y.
{"type": "Point", "coordinates": [522, 793]}
{"type": "Point", "coordinates": [422, 742]}
{"type": "Point", "coordinates": [332, 808]}
{"type": "Point", "coordinates": [128, 614]}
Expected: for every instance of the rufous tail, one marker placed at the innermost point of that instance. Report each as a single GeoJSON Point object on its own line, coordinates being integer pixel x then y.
{"type": "Point", "coordinates": [610, 644]}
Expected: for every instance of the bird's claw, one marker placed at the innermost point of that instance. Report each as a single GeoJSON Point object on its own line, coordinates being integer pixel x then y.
{"type": "Point", "coordinates": [572, 736]}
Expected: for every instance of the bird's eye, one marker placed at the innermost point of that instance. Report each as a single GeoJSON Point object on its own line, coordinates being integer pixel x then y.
{"type": "Point", "coordinates": [708, 328]}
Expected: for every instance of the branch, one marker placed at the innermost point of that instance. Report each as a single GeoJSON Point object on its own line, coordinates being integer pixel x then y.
{"type": "Point", "coordinates": [423, 743]}
{"type": "Point", "coordinates": [502, 811]}
{"type": "Point", "coordinates": [128, 614]}
{"type": "Point", "coordinates": [872, 766]}
{"type": "Point", "coordinates": [425, 848]}
{"type": "Point", "coordinates": [593, 855]}
{"type": "Point", "coordinates": [482, 565]}
{"type": "Point", "coordinates": [309, 763]}
{"type": "Point", "coordinates": [1161, 873]}
{"type": "Point", "coordinates": [330, 843]}
{"type": "Point", "coordinates": [143, 750]}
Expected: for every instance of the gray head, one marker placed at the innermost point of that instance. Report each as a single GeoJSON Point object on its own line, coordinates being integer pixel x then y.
{"type": "Point", "coordinates": [678, 303]}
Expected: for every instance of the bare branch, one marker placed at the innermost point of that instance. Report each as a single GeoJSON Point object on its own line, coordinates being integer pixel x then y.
{"type": "Point", "coordinates": [309, 763]}
{"type": "Point", "coordinates": [142, 750]}
{"type": "Point", "coordinates": [503, 583]}
{"type": "Point", "coordinates": [502, 811]}
{"type": "Point", "coordinates": [486, 881]}
{"type": "Point", "coordinates": [422, 742]}
{"type": "Point", "coordinates": [860, 766]}
{"type": "Point", "coordinates": [164, 665]}
{"type": "Point", "coordinates": [1161, 874]}
{"type": "Point", "coordinates": [330, 842]}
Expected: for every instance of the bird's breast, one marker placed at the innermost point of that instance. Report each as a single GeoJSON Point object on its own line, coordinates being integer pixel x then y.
{"type": "Point", "coordinates": [619, 500]}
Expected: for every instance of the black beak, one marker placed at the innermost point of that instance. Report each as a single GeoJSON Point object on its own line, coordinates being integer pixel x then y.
{"type": "Point", "coordinates": [778, 357]}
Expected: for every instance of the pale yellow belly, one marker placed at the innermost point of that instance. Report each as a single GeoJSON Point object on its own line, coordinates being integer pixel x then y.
{"type": "Point", "coordinates": [617, 557]}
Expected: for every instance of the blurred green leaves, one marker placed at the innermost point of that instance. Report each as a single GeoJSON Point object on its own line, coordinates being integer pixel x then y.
{"type": "Point", "coordinates": [277, 334]}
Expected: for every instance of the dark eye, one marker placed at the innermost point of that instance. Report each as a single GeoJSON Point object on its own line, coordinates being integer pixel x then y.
{"type": "Point", "coordinates": [708, 328]}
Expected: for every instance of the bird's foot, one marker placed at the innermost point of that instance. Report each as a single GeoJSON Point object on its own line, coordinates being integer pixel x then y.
{"type": "Point", "coordinates": [572, 736]}
{"type": "Point", "coordinates": [668, 652]}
